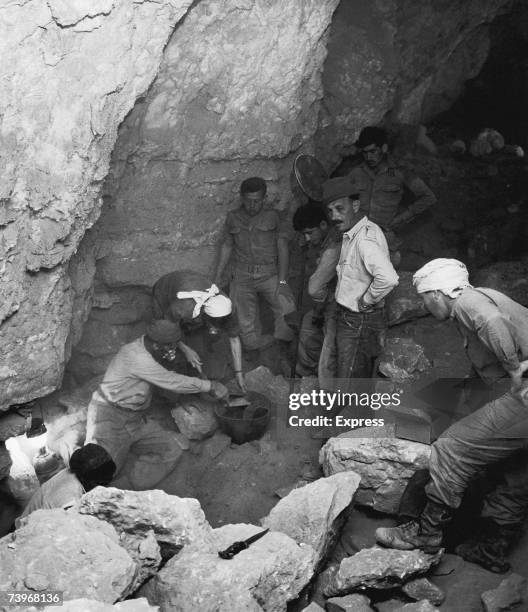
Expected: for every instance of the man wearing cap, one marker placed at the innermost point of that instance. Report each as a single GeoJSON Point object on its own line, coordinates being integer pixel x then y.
{"type": "Point", "coordinates": [380, 184]}
{"type": "Point", "coordinates": [365, 276]}
{"type": "Point", "coordinates": [257, 240]}
{"type": "Point", "coordinates": [118, 414]}
{"type": "Point", "coordinates": [495, 333]}
{"type": "Point", "coordinates": [196, 304]}
{"type": "Point", "coordinates": [90, 466]}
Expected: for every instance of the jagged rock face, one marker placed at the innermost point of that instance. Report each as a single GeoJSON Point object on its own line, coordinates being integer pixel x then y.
{"type": "Point", "coordinates": [405, 59]}
{"type": "Point", "coordinates": [385, 464]}
{"type": "Point", "coordinates": [310, 514]}
{"type": "Point", "coordinates": [379, 568]}
{"type": "Point", "coordinates": [71, 71]}
{"type": "Point", "coordinates": [265, 576]}
{"type": "Point", "coordinates": [64, 551]}
{"type": "Point", "coordinates": [91, 605]}
{"type": "Point", "coordinates": [175, 521]}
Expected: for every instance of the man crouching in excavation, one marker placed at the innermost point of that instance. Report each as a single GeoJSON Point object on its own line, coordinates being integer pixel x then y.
{"type": "Point", "coordinates": [495, 332]}
{"type": "Point", "coordinates": [118, 415]}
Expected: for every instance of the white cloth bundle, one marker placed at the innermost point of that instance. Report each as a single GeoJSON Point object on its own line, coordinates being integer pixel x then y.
{"type": "Point", "coordinates": [214, 305]}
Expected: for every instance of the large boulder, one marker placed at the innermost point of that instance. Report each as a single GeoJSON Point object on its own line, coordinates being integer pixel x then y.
{"type": "Point", "coordinates": [310, 514]}
{"type": "Point", "coordinates": [175, 521]}
{"type": "Point", "coordinates": [379, 568]}
{"type": "Point", "coordinates": [269, 573]}
{"type": "Point", "coordinates": [349, 603]}
{"type": "Point", "coordinates": [403, 303]}
{"type": "Point", "coordinates": [385, 464]}
{"type": "Point", "coordinates": [511, 593]}
{"type": "Point", "coordinates": [65, 551]}
{"type": "Point", "coordinates": [71, 72]}
{"type": "Point", "coordinates": [195, 418]}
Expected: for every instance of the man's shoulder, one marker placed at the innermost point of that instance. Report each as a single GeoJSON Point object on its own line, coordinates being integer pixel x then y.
{"type": "Point", "coordinates": [372, 232]}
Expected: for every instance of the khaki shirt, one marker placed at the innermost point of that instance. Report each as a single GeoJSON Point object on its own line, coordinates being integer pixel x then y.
{"type": "Point", "coordinates": [495, 331]}
{"type": "Point", "coordinates": [364, 267]}
{"type": "Point", "coordinates": [60, 491]}
{"type": "Point", "coordinates": [132, 372]}
{"type": "Point", "coordinates": [254, 238]}
{"type": "Point", "coordinates": [381, 191]}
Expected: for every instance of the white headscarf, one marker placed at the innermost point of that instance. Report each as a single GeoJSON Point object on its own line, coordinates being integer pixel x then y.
{"type": "Point", "coordinates": [449, 276]}
{"type": "Point", "coordinates": [214, 305]}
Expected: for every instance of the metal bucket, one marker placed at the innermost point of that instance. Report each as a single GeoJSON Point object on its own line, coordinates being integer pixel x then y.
{"type": "Point", "coordinates": [244, 424]}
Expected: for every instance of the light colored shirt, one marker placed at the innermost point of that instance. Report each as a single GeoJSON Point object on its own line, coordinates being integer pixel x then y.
{"type": "Point", "coordinates": [495, 331]}
{"type": "Point", "coordinates": [364, 268]}
{"type": "Point", "coordinates": [132, 372]}
{"type": "Point", "coordinates": [60, 491]}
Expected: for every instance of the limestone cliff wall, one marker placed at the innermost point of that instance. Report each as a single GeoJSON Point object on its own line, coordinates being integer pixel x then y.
{"type": "Point", "coordinates": [71, 70]}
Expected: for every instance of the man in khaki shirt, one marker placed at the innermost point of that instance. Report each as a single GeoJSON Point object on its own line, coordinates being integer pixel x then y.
{"type": "Point", "coordinates": [365, 276]}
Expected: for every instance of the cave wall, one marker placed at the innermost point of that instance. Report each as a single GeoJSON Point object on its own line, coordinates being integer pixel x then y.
{"type": "Point", "coordinates": [71, 71]}
{"type": "Point", "coordinates": [399, 61]}
{"type": "Point", "coordinates": [238, 94]}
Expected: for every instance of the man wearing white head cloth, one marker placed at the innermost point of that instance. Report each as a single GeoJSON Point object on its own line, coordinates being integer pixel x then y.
{"type": "Point", "coordinates": [193, 301]}
{"type": "Point", "coordinates": [495, 333]}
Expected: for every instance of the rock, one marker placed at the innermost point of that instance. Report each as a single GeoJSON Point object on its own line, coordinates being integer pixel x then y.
{"type": "Point", "coordinates": [457, 147]}
{"type": "Point", "coordinates": [22, 480]}
{"type": "Point", "coordinates": [58, 138]}
{"type": "Point", "coordinates": [379, 568]}
{"type": "Point", "coordinates": [349, 603]}
{"type": "Point", "coordinates": [403, 360]}
{"type": "Point", "coordinates": [313, 607]}
{"type": "Point", "coordinates": [310, 514]}
{"type": "Point", "coordinates": [195, 418]}
{"type": "Point", "coordinates": [275, 388]}
{"type": "Point", "coordinates": [509, 277]}
{"type": "Point", "coordinates": [11, 424]}
{"type": "Point", "coordinates": [175, 521]}
{"type": "Point", "coordinates": [265, 576]}
{"type": "Point", "coordinates": [403, 303]}
{"type": "Point", "coordinates": [5, 461]}
{"type": "Point", "coordinates": [510, 592]}
{"type": "Point", "coordinates": [65, 551]}
{"type": "Point", "coordinates": [420, 606]}
{"type": "Point", "coordinates": [487, 141]}
{"type": "Point", "coordinates": [385, 465]}
{"type": "Point", "coordinates": [91, 605]}
{"type": "Point", "coordinates": [421, 588]}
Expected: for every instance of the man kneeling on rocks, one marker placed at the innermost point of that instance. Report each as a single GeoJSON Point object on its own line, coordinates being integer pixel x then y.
{"type": "Point", "coordinates": [118, 414]}
{"type": "Point", "coordinates": [90, 466]}
{"type": "Point", "coordinates": [495, 332]}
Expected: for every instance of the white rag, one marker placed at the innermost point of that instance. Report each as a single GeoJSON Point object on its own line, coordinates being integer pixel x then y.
{"type": "Point", "coordinates": [214, 305]}
{"type": "Point", "coordinates": [449, 276]}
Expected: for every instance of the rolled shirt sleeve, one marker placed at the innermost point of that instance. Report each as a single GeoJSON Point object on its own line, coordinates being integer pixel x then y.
{"type": "Point", "coordinates": [324, 273]}
{"type": "Point", "coordinates": [424, 198]}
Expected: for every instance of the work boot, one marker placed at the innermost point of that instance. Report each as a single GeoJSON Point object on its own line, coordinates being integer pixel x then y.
{"type": "Point", "coordinates": [424, 533]}
{"type": "Point", "coordinates": [490, 547]}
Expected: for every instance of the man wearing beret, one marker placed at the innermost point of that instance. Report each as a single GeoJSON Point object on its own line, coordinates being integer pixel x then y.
{"type": "Point", "coordinates": [118, 413]}
{"type": "Point", "coordinates": [365, 276]}
{"type": "Point", "coordinates": [495, 333]}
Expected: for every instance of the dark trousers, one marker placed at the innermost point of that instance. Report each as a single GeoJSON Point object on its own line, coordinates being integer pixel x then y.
{"type": "Point", "coordinates": [359, 339]}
